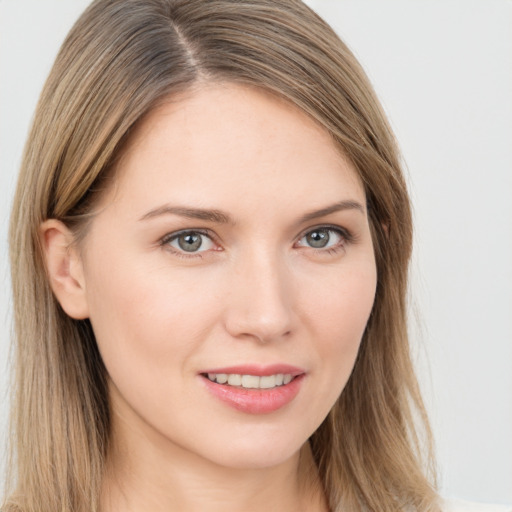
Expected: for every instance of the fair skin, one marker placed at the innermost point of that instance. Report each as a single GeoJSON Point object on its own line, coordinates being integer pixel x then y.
{"type": "Point", "coordinates": [235, 235]}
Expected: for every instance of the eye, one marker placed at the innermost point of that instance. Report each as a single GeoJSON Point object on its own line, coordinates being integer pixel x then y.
{"type": "Point", "coordinates": [323, 238]}
{"type": "Point", "coordinates": [189, 242]}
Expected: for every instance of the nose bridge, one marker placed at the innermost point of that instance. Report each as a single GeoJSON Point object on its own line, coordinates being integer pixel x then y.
{"type": "Point", "coordinates": [261, 297]}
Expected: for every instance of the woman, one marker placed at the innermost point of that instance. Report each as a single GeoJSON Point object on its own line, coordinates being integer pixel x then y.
{"type": "Point", "coordinates": [209, 247]}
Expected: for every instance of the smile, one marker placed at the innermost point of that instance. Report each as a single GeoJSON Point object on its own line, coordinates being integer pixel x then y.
{"type": "Point", "coordinates": [254, 389]}
{"type": "Point", "coordinates": [251, 381]}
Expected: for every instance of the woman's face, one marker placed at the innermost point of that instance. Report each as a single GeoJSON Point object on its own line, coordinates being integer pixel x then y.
{"type": "Point", "coordinates": [234, 245]}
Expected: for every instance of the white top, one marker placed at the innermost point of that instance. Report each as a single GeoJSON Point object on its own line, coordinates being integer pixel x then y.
{"type": "Point", "coordinates": [466, 506]}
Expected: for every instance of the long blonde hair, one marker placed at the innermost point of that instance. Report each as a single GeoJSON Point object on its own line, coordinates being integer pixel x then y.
{"type": "Point", "coordinates": [119, 61]}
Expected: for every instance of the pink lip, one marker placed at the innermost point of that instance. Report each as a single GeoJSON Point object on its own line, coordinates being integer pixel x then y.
{"type": "Point", "coordinates": [254, 369]}
{"type": "Point", "coordinates": [256, 401]}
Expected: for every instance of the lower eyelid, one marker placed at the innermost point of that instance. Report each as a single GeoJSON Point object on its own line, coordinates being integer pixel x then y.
{"type": "Point", "coordinates": [171, 237]}
{"type": "Point", "coordinates": [344, 236]}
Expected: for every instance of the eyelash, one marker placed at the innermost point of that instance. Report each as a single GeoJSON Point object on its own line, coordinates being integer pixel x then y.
{"type": "Point", "coordinates": [346, 238]}
{"type": "Point", "coordinates": [167, 239]}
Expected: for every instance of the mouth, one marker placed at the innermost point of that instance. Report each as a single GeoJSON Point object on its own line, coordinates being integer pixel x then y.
{"type": "Point", "coordinates": [250, 381]}
{"type": "Point", "coordinates": [255, 390]}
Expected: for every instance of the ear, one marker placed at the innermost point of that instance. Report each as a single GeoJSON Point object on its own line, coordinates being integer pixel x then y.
{"type": "Point", "coordinates": [64, 268]}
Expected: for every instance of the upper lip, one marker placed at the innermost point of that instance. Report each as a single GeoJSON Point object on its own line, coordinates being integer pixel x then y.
{"type": "Point", "coordinates": [258, 370]}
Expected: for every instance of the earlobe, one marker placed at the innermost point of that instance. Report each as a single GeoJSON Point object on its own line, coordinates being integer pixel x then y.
{"type": "Point", "coordinates": [64, 268]}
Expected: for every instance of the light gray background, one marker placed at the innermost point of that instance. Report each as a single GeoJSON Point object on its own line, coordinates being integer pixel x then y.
{"type": "Point", "coordinates": [443, 70]}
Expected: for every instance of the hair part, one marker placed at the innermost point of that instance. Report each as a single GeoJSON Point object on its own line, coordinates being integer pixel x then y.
{"type": "Point", "coordinates": [368, 449]}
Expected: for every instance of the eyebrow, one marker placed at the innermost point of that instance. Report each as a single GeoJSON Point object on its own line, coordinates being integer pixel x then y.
{"type": "Point", "coordinates": [216, 216]}
{"type": "Point", "coordinates": [336, 207]}
{"type": "Point", "coordinates": [220, 217]}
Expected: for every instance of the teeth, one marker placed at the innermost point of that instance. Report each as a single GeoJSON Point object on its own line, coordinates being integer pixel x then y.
{"type": "Point", "coordinates": [234, 379]}
{"type": "Point", "coordinates": [267, 382]}
{"type": "Point", "coordinates": [221, 378]}
{"type": "Point", "coordinates": [251, 381]}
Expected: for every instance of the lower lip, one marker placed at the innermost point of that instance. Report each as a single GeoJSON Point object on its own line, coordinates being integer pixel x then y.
{"type": "Point", "coordinates": [255, 401]}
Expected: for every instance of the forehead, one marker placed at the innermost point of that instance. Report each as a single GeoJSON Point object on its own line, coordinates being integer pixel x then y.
{"type": "Point", "coordinates": [224, 138]}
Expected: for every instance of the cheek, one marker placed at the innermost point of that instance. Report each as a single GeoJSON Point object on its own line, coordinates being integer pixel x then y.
{"type": "Point", "coordinates": [145, 321]}
{"type": "Point", "coordinates": [149, 328]}
{"type": "Point", "coordinates": [340, 319]}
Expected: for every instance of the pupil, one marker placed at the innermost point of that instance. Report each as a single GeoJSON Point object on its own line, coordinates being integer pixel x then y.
{"type": "Point", "coordinates": [190, 242]}
{"type": "Point", "coordinates": [318, 239]}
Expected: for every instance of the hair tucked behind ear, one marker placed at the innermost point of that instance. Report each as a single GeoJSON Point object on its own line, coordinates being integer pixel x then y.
{"type": "Point", "coordinates": [119, 61]}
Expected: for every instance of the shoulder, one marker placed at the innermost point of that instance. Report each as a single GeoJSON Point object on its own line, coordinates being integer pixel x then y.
{"type": "Point", "coordinates": [467, 506]}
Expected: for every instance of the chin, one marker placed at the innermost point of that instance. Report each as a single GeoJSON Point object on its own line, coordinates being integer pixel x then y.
{"type": "Point", "coordinates": [254, 452]}
{"type": "Point", "coordinates": [257, 459]}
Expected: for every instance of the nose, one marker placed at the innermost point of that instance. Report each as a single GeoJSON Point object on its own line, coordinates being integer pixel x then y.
{"type": "Point", "coordinates": [260, 304]}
